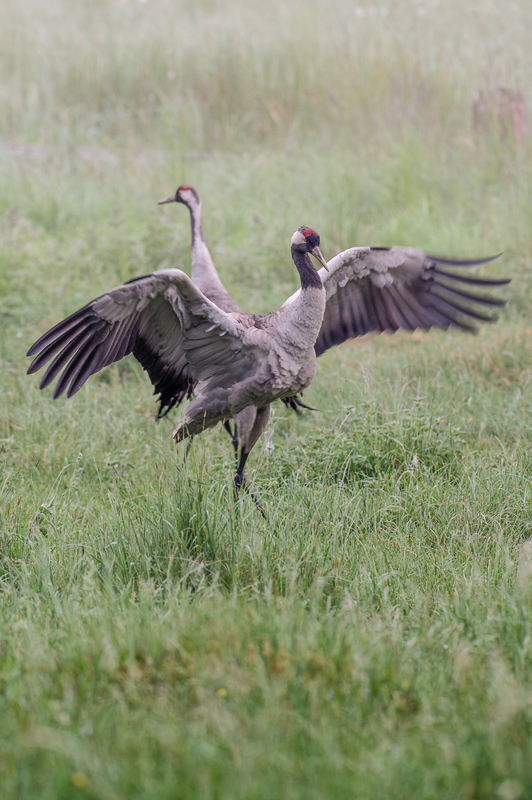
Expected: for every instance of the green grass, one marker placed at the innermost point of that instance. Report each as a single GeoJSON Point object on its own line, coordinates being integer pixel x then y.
{"type": "Point", "coordinates": [373, 637]}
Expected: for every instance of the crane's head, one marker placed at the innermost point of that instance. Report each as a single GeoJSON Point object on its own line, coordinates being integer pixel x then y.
{"type": "Point", "coordinates": [185, 194]}
{"type": "Point", "coordinates": [308, 241]}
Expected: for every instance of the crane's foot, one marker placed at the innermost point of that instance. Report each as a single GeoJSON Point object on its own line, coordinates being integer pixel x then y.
{"type": "Point", "coordinates": [295, 404]}
{"type": "Point", "coordinates": [241, 482]}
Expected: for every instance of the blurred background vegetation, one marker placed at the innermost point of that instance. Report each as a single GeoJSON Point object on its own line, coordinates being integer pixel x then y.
{"type": "Point", "coordinates": [373, 638]}
{"type": "Point", "coordinates": [358, 116]}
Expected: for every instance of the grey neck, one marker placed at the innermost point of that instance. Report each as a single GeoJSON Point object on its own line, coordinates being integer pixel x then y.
{"type": "Point", "coordinates": [300, 321]}
{"type": "Point", "coordinates": [203, 271]}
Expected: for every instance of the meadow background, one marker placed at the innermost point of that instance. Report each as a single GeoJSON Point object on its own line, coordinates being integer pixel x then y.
{"type": "Point", "coordinates": [373, 637]}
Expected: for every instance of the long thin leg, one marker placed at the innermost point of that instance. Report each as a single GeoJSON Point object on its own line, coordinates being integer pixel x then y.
{"type": "Point", "coordinates": [227, 426]}
{"type": "Point", "coordinates": [249, 438]}
{"type": "Point", "coordinates": [239, 479]}
{"type": "Point", "coordinates": [240, 482]}
{"type": "Point", "coordinates": [234, 437]}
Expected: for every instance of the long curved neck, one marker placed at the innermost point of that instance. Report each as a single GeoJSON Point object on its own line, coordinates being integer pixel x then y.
{"type": "Point", "coordinates": [308, 274]}
{"type": "Point", "coordinates": [203, 271]}
{"type": "Point", "coordinates": [300, 321]}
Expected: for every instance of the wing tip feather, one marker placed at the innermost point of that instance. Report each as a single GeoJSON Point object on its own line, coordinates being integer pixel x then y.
{"type": "Point", "coordinates": [464, 262]}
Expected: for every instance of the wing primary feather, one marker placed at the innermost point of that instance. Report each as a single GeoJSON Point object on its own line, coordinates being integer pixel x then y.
{"type": "Point", "coordinates": [330, 320]}
{"type": "Point", "coordinates": [487, 300]}
{"type": "Point", "coordinates": [78, 318]}
{"type": "Point", "coordinates": [126, 336]}
{"type": "Point", "coordinates": [473, 281]}
{"type": "Point", "coordinates": [469, 312]}
{"type": "Point", "coordinates": [475, 262]}
{"type": "Point", "coordinates": [369, 307]}
{"type": "Point", "coordinates": [110, 347]}
{"type": "Point", "coordinates": [409, 306]}
{"type": "Point", "coordinates": [357, 306]}
{"type": "Point", "coordinates": [61, 342]}
{"type": "Point", "coordinates": [395, 313]}
{"type": "Point", "coordinates": [365, 320]}
{"type": "Point", "coordinates": [87, 352]}
{"type": "Point", "coordinates": [62, 359]}
{"type": "Point", "coordinates": [450, 314]}
{"type": "Point", "coordinates": [420, 312]}
{"type": "Point", "coordinates": [323, 342]}
{"type": "Point", "coordinates": [445, 318]}
{"type": "Point", "coordinates": [127, 343]}
{"type": "Point", "coordinates": [348, 320]}
{"type": "Point", "coordinates": [114, 342]}
{"type": "Point", "coordinates": [84, 372]}
{"type": "Point", "coordinates": [64, 379]}
{"type": "Point", "coordinates": [402, 310]}
{"type": "Point", "coordinates": [380, 309]}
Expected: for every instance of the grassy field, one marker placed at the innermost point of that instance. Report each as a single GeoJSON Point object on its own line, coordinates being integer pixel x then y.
{"type": "Point", "coordinates": [373, 638]}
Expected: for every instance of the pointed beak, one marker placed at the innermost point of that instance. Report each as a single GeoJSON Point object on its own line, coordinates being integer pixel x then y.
{"type": "Point", "coordinates": [318, 256]}
{"type": "Point", "coordinates": [168, 200]}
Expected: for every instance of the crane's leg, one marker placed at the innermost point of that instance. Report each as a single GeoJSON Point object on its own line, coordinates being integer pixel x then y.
{"type": "Point", "coordinates": [240, 481]}
{"type": "Point", "coordinates": [250, 422]}
{"type": "Point", "coordinates": [233, 435]}
{"type": "Point", "coordinates": [244, 424]}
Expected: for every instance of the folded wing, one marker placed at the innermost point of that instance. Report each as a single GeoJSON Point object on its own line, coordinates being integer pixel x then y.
{"type": "Point", "coordinates": [174, 331]}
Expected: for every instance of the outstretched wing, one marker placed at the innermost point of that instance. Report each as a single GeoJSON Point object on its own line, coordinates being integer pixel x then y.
{"type": "Point", "coordinates": [174, 331]}
{"type": "Point", "coordinates": [380, 289]}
